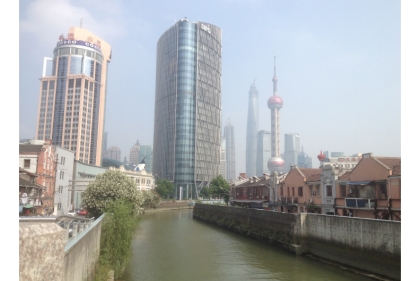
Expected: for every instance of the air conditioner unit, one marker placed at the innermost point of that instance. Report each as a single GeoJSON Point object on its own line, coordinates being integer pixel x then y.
{"type": "Point", "coordinates": [350, 190]}
{"type": "Point", "coordinates": [313, 192]}
{"type": "Point", "coordinates": [311, 200]}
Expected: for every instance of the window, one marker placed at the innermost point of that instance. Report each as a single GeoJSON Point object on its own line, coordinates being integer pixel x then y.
{"type": "Point", "coordinates": [142, 181]}
{"type": "Point", "coordinates": [328, 190]}
{"type": "Point", "coordinates": [59, 206]}
{"type": "Point", "coordinates": [343, 190]}
{"type": "Point", "coordinates": [317, 190]}
{"type": "Point", "coordinates": [383, 190]}
{"type": "Point", "coordinates": [293, 191]}
{"type": "Point", "coordinates": [300, 191]}
{"type": "Point", "coordinates": [27, 163]}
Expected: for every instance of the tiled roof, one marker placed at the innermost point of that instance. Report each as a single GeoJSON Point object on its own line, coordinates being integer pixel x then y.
{"type": "Point", "coordinates": [315, 177]}
{"type": "Point", "coordinates": [262, 181]}
{"type": "Point", "coordinates": [310, 172]}
{"type": "Point", "coordinates": [25, 183]}
{"type": "Point", "coordinates": [345, 176]}
{"type": "Point", "coordinates": [389, 161]}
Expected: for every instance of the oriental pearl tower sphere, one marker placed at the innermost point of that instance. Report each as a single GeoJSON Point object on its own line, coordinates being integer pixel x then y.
{"type": "Point", "coordinates": [275, 103]}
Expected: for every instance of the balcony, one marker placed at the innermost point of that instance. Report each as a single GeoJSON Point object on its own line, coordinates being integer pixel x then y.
{"type": "Point", "coordinates": [360, 203]}
{"type": "Point", "coordinates": [288, 200]}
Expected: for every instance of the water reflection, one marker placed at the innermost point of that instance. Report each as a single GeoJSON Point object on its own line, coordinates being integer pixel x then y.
{"type": "Point", "coordinates": [172, 246]}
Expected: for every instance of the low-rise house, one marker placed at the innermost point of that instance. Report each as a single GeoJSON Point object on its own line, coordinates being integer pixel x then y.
{"type": "Point", "coordinates": [38, 157]}
{"type": "Point", "coordinates": [371, 190]}
{"type": "Point", "coordinates": [64, 175]}
{"type": "Point", "coordinates": [30, 193]}
{"type": "Point", "coordinates": [83, 174]}
{"type": "Point", "coordinates": [143, 179]}
{"type": "Point", "coordinates": [297, 190]}
{"type": "Point", "coordinates": [252, 192]}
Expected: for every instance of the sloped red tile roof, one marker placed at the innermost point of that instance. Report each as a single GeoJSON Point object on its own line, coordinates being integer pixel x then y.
{"type": "Point", "coordinates": [345, 176]}
{"type": "Point", "coordinates": [309, 172]}
{"type": "Point", "coordinates": [390, 161]}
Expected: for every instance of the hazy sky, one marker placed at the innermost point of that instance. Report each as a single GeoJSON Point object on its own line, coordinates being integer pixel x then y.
{"type": "Point", "coordinates": [338, 64]}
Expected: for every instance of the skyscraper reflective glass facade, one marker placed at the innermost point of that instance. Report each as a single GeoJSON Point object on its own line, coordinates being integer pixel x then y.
{"type": "Point", "coordinates": [263, 152]}
{"type": "Point", "coordinates": [187, 106]}
{"type": "Point", "coordinates": [146, 154]}
{"type": "Point", "coordinates": [291, 149]}
{"type": "Point", "coordinates": [251, 132]}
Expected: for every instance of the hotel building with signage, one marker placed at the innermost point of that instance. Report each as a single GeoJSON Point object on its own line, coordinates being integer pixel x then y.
{"type": "Point", "coordinates": [72, 99]}
{"type": "Point", "coordinates": [187, 128]}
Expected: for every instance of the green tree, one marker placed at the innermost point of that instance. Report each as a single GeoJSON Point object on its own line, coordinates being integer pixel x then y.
{"type": "Point", "coordinates": [205, 192]}
{"type": "Point", "coordinates": [151, 199]}
{"type": "Point", "coordinates": [220, 187]}
{"type": "Point", "coordinates": [165, 188]}
{"type": "Point", "coordinates": [108, 187]}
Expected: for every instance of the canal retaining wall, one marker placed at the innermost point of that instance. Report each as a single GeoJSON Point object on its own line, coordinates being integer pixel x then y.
{"type": "Point", "coordinates": [365, 244]}
{"type": "Point", "coordinates": [81, 254]}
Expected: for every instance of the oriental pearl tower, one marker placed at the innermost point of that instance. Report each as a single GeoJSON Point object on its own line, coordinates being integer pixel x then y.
{"type": "Point", "coordinates": [275, 164]}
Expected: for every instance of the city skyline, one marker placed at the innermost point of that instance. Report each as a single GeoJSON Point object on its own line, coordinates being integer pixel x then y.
{"type": "Point", "coordinates": [324, 58]}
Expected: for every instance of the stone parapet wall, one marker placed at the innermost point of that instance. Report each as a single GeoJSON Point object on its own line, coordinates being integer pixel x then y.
{"type": "Point", "coordinates": [41, 251]}
{"type": "Point", "coordinates": [365, 244]}
{"type": "Point", "coordinates": [82, 253]}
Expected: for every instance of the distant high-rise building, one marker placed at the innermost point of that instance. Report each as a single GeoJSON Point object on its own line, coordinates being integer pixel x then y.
{"type": "Point", "coordinates": [263, 152]}
{"type": "Point", "coordinates": [252, 131]}
{"type": "Point", "coordinates": [72, 100]}
{"type": "Point", "coordinates": [230, 152]}
{"type": "Point", "coordinates": [291, 149]}
{"type": "Point", "coordinates": [113, 152]}
{"type": "Point", "coordinates": [134, 154]}
{"type": "Point", "coordinates": [304, 160]}
{"type": "Point", "coordinates": [104, 144]}
{"type": "Point", "coordinates": [146, 153]}
{"type": "Point", "coordinates": [223, 157]}
{"type": "Point", "coordinates": [337, 154]}
{"type": "Point", "coordinates": [186, 140]}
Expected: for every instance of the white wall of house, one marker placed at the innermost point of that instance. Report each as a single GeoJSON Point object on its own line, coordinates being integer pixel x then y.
{"type": "Point", "coordinates": [63, 177]}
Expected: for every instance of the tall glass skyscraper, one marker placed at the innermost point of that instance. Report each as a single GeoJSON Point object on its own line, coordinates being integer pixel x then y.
{"type": "Point", "coordinates": [230, 152]}
{"type": "Point", "coordinates": [251, 132]}
{"type": "Point", "coordinates": [291, 149]}
{"type": "Point", "coordinates": [146, 153]}
{"type": "Point", "coordinates": [223, 157]}
{"type": "Point", "coordinates": [186, 140]}
{"type": "Point", "coordinates": [71, 108]}
{"type": "Point", "coordinates": [263, 152]}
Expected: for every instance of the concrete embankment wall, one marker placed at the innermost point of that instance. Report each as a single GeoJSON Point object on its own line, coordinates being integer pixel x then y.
{"type": "Point", "coordinates": [81, 254]}
{"type": "Point", "coordinates": [41, 255]}
{"type": "Point", "coordinates": [169, 205]}
{"type": "Point", "coordinates": [365, 244]}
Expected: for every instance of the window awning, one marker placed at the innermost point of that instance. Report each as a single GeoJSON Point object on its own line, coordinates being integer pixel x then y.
{"type": "Point", "coordinates": [358, 182]}
{"type": "Point", "coordinates": [250, 201]}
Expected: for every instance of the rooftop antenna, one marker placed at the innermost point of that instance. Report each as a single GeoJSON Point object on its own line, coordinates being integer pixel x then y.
{"type": "Point", "coordinates": [81, 23]}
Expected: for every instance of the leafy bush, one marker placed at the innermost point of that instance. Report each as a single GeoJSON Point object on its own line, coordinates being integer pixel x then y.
{"type": "Point", "coordinates": [108, 187]}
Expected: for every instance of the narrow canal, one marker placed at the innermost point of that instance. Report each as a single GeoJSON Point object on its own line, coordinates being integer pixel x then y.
{"type": "Point", "coordinates": [170, 245]}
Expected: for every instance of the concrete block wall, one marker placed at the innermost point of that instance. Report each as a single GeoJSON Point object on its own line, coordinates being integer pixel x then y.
{"type": "Point", "coordinates": [41, 251]}
{"type": "Point", "coordinates": [82, 253]}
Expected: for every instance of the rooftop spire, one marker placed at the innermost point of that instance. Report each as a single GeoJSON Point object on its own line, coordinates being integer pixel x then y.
{"type": "Point", "coordinates": [275, 79]}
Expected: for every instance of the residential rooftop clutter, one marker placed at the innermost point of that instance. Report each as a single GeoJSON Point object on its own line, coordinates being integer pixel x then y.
{"type": "Point", "coordinates": [370, 187]}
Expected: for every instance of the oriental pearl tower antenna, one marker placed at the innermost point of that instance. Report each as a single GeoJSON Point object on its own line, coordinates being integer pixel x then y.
{"type": "Point", "coordinates": [275, 164]}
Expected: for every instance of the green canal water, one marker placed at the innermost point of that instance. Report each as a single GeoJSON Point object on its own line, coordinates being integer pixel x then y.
{"type": "Point", "coordinates": [170, 245]}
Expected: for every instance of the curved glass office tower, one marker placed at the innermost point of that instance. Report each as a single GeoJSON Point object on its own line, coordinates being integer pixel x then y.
{"type": "Point", "coordinates": [188, 106]}
{"type": "Point", "coordinates": [251, 132]}
{"type": "Point", "coordinates": [72, 100]}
